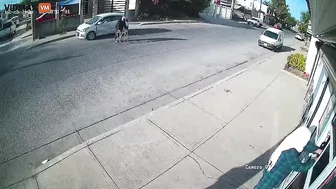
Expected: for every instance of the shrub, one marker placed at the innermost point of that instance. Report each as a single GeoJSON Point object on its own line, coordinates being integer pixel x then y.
{"type": "Point", "coordinates": [174, 7]}
{"type": "Point", "coordinates": [297, 61]}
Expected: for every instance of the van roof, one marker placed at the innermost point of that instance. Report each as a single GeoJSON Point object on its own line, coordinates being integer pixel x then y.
{"type": "Point", "coordinates": [274, 30]}
{"type": "Point", "coordinates": [111, 14]}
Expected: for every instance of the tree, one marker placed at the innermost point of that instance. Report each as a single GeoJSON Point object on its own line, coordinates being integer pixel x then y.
{"type": "Point", "coordinates": [305, 17]}
{"type": "Point", "coordinates": [303, 28]}
{"type": "Point", "coordinates": [290, 21]}
{"type": "Point", "coordinates": [166, 7]}
{"type": "Point", "coordinates": [280, 10]}
{"type": "Point", "coordinates": [304, 21]}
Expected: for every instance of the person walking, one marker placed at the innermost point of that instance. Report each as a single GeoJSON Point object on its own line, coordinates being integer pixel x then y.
{"type": "Point", "coordinates": [286, 158]}
{"type": "Point", "coordinates": [120, 26]}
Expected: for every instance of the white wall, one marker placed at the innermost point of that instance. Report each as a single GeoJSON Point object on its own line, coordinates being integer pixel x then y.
{"type": "Point", "coordinates": [312, 52]}
{"type": "Point", "coordinates": [248, 4]}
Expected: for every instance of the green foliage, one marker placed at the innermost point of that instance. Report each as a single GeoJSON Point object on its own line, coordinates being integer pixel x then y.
{"type": "Point", "coordinates": [303, 28]}
{"type": "Point", "coordinates": [280, 9]}
{"type": "Point", "coordinates": [173, 8]}
{"type": "Point", "coordinates": [305, 17]}
{"type": "Point", "coordinates": [27, 2]}
{"type": "Point", "coordinates": [281, 12]}
{"type": "Point", "coordinates": [194, 7]}
{"type": "Point", "coordinates": [290, 21]}
{"type": "Point", "coordinates": [297, 61]}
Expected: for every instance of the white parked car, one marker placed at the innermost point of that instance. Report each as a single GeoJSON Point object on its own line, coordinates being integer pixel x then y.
{"type": "Point", "coordinates": [8, 29]}
{"type": "Point", "coordinates": [255, 22]}
{"type": "Point", "coordinates": [101, 24]}
{"type": "Point", "coordinates": [272, 39]}
{"type": "Point", "coordinates": [299, 37]}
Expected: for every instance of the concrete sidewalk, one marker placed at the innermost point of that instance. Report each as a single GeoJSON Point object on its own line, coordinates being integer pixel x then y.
{"type": "Point", "coordinates": [208, 139]}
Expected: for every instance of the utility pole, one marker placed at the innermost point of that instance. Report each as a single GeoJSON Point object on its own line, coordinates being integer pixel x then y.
{"type": "Point", "coordinates": [232, 8]}
{"type": "Point", "coordinates": [252, 8]}
{"type": "Point", "coordinates": [33, 24]}
{"type": "Point", "coordinates": [57, 16]}
{"type": "Point", "coordinates": [260, 8]}
{"type": "Point", "coordinates": [81, 11]}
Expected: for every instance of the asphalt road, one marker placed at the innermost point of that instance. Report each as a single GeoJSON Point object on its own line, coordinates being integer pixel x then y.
{"type": "Point", "coordinates": [56, 95]}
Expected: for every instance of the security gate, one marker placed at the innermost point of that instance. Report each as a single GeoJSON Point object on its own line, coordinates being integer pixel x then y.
{"type": "Point", "coordinates": [105, 6]}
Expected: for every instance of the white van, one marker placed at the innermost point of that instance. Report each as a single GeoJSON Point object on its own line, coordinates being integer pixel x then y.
{"type": "Point", "coordinates": [101, 24]}
{"type": "Point", "coordinates": [272, 39]}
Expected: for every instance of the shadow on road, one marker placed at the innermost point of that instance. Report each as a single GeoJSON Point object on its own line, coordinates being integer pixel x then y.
{"type": "Point", "coordinates": [286, 49]}
{"type": "Point", "coordinates": [153, 40]}
{"type": "Point", "coordinates": [146, 31]}
{"type": "Point", "coordinates": [5, 69]}
{"type": "Point", "coordinates": [138, 31]}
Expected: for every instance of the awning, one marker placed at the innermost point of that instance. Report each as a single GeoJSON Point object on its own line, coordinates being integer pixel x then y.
{"type": "Point", "coordinates": [323, 14]}
{"type": "Point", "coordinates": [69, 2]}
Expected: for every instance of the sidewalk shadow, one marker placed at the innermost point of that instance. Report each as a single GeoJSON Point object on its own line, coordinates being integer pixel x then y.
{"type": "Point", "coordinates": [242, 175]}
{"type": "Point", "coordinates": [153, 40]}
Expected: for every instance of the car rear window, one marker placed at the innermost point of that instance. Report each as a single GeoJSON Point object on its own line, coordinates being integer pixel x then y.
{"type": "Point", "coordinates": [271, 34]}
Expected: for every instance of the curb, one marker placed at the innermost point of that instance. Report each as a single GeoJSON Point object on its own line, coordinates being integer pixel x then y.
{"type": "Point", "coordinates": [13, 45]}
{"type": "Point", "coordinates": [23, 43]}
{"type": "Point", "coordinates": [168, 22]}
{"type": "Point", "coordinates": [52, 40]}
{"type": "Point", "coordinates": [289, 73]}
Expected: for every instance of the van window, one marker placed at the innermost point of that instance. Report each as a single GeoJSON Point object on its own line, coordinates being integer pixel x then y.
{"type": "Point", "coordinates": [271, 34]}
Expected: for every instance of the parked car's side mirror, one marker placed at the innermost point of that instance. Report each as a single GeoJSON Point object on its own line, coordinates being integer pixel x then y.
{"type": "Point", "coordinates": [99, 23]}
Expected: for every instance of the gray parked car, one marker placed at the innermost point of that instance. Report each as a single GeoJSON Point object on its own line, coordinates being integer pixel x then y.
{"type": "Point", "coordinates": [8, 29]}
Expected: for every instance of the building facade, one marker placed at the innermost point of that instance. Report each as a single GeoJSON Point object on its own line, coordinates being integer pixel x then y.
{"type": "Point", "coordinates": [94, 7]}
{"type": "Point", "coordinates": [319, 114]}
{"type": "Point", "coordinates": [319, 110]}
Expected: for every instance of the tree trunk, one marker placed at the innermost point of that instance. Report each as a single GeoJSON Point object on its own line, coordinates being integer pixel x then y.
{"type": "Point", "coordinates": [137, 9]}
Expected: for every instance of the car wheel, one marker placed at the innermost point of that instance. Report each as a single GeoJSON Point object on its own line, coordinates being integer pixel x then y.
{"type": "Point", "coordinates": [91, 35]}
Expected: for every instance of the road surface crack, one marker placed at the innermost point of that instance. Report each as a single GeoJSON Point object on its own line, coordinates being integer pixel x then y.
{"type": "Point", "coordinates": [201, 169]}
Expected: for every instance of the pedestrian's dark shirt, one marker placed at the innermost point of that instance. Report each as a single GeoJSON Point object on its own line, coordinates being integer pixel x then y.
{"type": "Point", "coordinates": [120, 25]}
{"type": "Point", "coordinates": [288, 161]}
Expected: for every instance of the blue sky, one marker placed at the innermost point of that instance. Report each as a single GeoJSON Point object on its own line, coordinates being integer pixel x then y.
{"type": "Point", "coordinates": [296, 7]}
{"type": "Point", "coordinates": [2, 2]}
